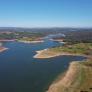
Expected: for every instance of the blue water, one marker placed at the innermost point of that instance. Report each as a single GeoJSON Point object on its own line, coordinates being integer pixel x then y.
{"type": "Point", "coordinates": [20, 72]}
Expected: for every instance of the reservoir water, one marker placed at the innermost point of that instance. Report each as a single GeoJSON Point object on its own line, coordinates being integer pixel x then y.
{"type": "Point", "coordinates": [20, 72]}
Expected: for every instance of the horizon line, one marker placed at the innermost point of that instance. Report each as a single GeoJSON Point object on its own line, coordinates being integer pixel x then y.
{"type": "Point", "coordinates": [40, 27]}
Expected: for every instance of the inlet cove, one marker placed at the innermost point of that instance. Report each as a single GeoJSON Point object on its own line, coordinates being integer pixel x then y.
{"type": "Point", "coordinates": [21, 72]}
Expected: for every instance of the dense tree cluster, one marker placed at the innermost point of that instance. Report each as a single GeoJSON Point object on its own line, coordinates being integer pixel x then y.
{"type": "Point", "coordinates": [79, 36]}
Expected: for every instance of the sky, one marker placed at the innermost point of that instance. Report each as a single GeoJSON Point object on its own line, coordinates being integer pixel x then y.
{"type": "Point", "coordinates": [45, 13]}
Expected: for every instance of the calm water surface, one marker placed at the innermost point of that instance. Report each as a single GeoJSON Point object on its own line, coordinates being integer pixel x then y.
{"type": "Point", "coordinates": [20, 72]}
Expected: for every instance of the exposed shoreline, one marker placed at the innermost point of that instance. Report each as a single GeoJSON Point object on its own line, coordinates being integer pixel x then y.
{"type": "Point", "coordinates": [30, 41]}
{"type": "Point", "coordinates": [77, 78]}
{"type": "Point", "coordinates": [66, 80]}
{"type": "Point", "coordinates": [46, 54]}
{"type": "Point", "coordinates": [24, 41]}
{"type": "Point", "coordinates": [2, 49]}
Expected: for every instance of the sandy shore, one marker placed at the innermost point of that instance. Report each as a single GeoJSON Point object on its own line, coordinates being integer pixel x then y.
{"type": "Point", "coordinates": [45, 53]}
{"type": "Point", "coordinates": [36, 41]}
{"type": "Point", "coordinates": [66, 81]}
{"type": "Point", "coordinates": [3, 49]}
{"type": "Point", "coordinates": [30, 41]}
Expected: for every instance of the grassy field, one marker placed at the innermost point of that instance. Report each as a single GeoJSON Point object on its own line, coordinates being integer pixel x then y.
{"type": "Point", "coordinates": [86, 76]}
{"type": "Point", "coordinates": [79, 48]}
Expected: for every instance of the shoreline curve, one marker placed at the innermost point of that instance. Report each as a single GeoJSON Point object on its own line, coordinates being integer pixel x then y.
{"type": "Point", "coordinates": [3, 49]}
{"type": "Point", "coordinates": [45, 53]}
